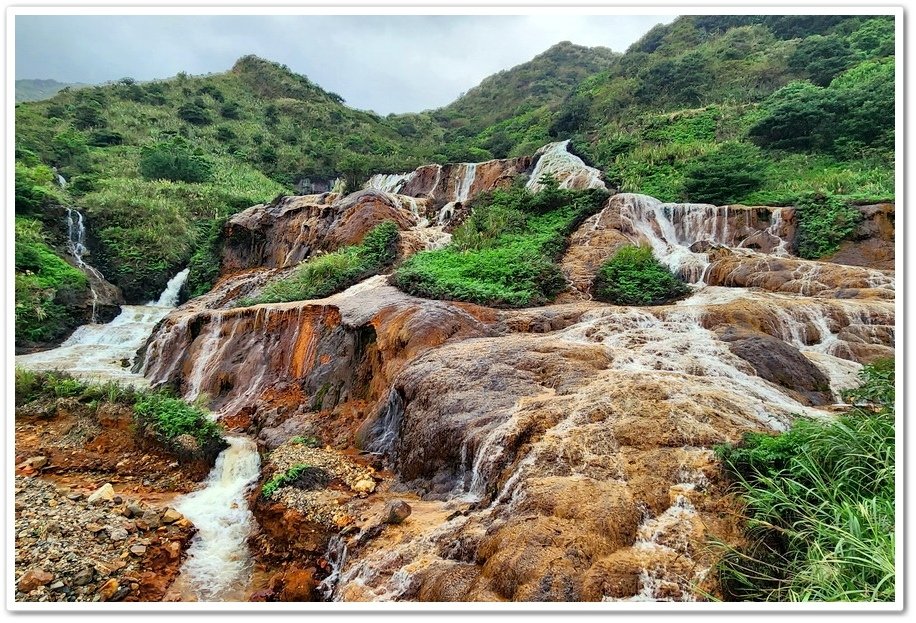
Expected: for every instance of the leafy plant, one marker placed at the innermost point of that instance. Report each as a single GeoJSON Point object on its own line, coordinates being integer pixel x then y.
{"type": "Point", "coordinates": [632, 276]}
{"type": "Point", "coordinates": [283, 478]}
{"type": "Point", "coordinates": [326, 274]}
{"type": "Point", "coordinates": [819, 504]}
{"type": "Point", "coordinates": [824, 221]}
{"type": "Point", "coordinates": [170, 417]}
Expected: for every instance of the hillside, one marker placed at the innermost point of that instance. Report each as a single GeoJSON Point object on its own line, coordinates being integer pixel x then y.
{"type": "Point", "coordinates": [33, 90]}
{"type": "Point", "coordinates": [765, 110]}
{"type": "Point", "coordinates": [532, 90]}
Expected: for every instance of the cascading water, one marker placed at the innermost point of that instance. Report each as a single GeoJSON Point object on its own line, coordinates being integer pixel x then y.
{"type": "Point", "coordinates": [107, 352]}
{"type": "Point", "coordinates": [389, 183]}
{"type": "Point", "coordinates": [76, 246]}
{"type": "Point", "coordinates": [672, 228]}
{"type": "Point", "coordinates": [219, 566]}
{"type": "Point", "coordinates": [571, 172]}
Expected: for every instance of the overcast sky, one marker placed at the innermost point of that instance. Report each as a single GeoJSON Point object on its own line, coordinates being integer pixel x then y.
{"type": "Point", "coordinates": [384, 63]}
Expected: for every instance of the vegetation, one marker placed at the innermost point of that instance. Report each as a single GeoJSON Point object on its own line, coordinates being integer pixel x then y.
{"type": "Point", "coordinates": [632, 276]}
{"type": "Point", "coordinates": [820, 504]}
{"type": "Point", "coordinates": [324, 275]}
{"type": "Point", "coordinates": [763, 110]}
{"type": "Point", "coordinates": [157, 413]}
{"type": "Point", "coordinates": [47, 287]}
{"type": "Point", "coordinates": [505, 253]}
{"type": "Point", "coordinates": [283, 479]}
{"type": "Point", "coordinates": [823, 222]}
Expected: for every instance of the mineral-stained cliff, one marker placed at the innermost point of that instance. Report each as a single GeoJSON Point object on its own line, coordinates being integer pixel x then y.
{"type": "Point", "coordinates": [554, 453]}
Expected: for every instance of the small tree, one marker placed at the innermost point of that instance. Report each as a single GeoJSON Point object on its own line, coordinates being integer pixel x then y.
{"type": "Point", "coordinates": [174, 160]}
{"type": "Point", "coordinates": [726, 175]}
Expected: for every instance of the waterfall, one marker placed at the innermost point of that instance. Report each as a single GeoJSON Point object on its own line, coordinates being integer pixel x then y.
{"type": "Point", "coordinates": [219, 565]}
{"type": "Point", "coordinates": [76, 246]}
{"type": "Point", "coordinates": [337, 558]}
{"type": "Point", "coordinates": [468, 175]}
{"type": "Point", "coordinates": [107, 352]}
{"type": "Point", "coordinates": [169, 296]}
{"type": "Point", "coordinates": [390, 182]}
{"type": "Point", "coordinates": [568, 169]}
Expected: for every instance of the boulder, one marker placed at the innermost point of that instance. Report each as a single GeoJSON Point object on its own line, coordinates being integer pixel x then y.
{"type": "Point", "coordinates": [33, 578]}
{"type": "Point", "coordinates": [396, 511]}
{"type": "Point", "coordinates": [104, 493]}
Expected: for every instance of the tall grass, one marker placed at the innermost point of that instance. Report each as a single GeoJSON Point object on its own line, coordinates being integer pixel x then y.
{"type": "Point", "coordinates": [820, 505]}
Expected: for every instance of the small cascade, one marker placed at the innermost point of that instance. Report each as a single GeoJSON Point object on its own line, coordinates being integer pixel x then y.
{"type": "Point", "coordinates": [385, 431]}
{"type": "Point", "coordinates": [60, 179]}
{"type": "Point", "coordinates": [567, 168]}
{"type": "Point", "coordinates": [465, 181]}
{"type": "Point", "coordinates": [219, 565]}
{"type": "Point", "coordinates": [107, 352]}
{"type": "Point", "coordinates": [665, 539]}
{"type": "Point", "coordinates": [76, 246]}
{"type": "Point", "coordinates": [389, 182]}
{"type": "Point", "coordinates": [337, 558]}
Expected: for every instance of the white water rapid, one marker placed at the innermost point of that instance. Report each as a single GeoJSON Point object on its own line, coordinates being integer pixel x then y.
{"type": "Point", "coordinates": [107, 352]}
{"type": "Point", "coordinates": [219, 566]}
{"type": "Point", "coordinates": [556, 160]}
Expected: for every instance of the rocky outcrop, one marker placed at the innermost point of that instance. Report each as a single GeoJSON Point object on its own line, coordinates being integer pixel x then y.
{"type": "Point", "coordinates": [555, 453]}
{"type": "Point", "coordinates": [283, 233]}
{"type": "Point", "coordinates": [872, 242]}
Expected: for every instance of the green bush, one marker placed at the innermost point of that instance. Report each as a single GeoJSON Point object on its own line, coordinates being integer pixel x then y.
{"type": "Point", "coordinates": [821, 58]}
{"type": "Point", "coordinates": [170, 417]}
{"type": "Point", "coordinates": [824, 221]}
{"type": "Point", "coordinates": [505, 253]}
{"type": "Point", "coordinates": [820, 505]}
{"type": "Point", "coordinates": [45, 285]}
{"type": "Point", "coordinates": [205, 261]}
{"type": "Point", "coordinates": [632, 276]}
{"type": "Point", "coordinates": [174, 160]}
{"type": "Point", "coordinates": [725, 175]}
{"type": "Point", "coordinates": [324, 275]}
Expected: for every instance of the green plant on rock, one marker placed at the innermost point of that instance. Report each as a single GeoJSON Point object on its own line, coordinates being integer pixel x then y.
{"type": "Point", "coordinates": [632, 276]}
{"type": "Point", "coordinates": [283, 478]}
{"type": "Point", "coordinates": [170, 417]}
{"type": "Point", "coordinates": [824, 221]}
{"type": "Point", "coordinates": [326, 274]}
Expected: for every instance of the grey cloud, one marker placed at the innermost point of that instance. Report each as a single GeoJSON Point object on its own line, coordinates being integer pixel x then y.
{"type": "Point", "coordinates": [387, 63]}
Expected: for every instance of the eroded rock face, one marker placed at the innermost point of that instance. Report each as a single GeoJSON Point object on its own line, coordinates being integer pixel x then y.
{"type": "Point", "coordinates": [872, 243]}
{"type": "Point", "coordinates": [283, 233]}
{"type": "Point", "coordinates": [554, 453]}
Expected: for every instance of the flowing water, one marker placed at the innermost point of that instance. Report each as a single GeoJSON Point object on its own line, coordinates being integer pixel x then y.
{"type": "Point", "coordinates": [219, 566]}
{"type": "Point", "coordinates": [107, 352]}
{"type": "Point", "coordinates": [569, 169]}
{"type": "Point", "coordinates": [76, 246]}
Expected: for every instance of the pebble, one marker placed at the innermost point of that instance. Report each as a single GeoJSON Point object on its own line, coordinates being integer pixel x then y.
{"type": "Point", "coordinates": [138, 550]}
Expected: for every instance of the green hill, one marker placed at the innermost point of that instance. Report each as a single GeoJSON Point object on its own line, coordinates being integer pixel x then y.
{"type": "Point", "coordinates": [33, 90]}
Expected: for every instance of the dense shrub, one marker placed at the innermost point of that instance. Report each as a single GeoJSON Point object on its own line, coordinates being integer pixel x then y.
{"type": "Point", "coordinates": [174, 160]}
{"type": "Point", "coordinates": [505, 253]}
{"type": "Point", "coordinates": [820, 505]}
{"type": "Point", "coordinates": [326, 274]}
{"type": "Point", "coordinates": [170, 417]}
{"type": "Point", "coordinates": [46, 286]}
{"type": "Point", "coordinates": [194, 112]}
{"type": "Point", "coordinates": [823, 223]}
{"type": "Point", "coordinates": [725, 175]}
{"type": "Point", "coordinates": [821, 58]}
{"type": "Point", "coordinates": [205, 260]}
{"type": "Point", "coordinates": [632, 276]}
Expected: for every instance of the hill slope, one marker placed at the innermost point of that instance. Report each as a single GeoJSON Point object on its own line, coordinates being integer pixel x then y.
{"type": "Point", "coordinates": [33, 90]}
